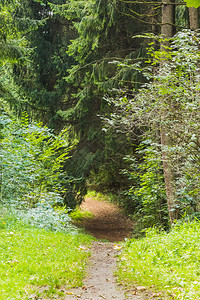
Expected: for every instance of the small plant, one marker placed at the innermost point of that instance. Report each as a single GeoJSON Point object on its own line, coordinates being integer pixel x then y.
{"type": "Point", "coordinates": [45, 215]}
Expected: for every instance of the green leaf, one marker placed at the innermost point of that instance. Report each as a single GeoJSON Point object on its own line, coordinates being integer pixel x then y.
{"type": "Point", "coordinates": [40, 1]}
{"type": "Point", "coordinates": [193, 3]}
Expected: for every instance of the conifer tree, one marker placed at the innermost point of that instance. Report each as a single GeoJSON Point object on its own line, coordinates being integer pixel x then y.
{"type": "Point", "coordinates": [103, 32]}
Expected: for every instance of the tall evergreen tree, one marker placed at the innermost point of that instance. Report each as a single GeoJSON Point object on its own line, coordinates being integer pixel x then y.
{"type": "Point", "coordinates": [103, 39]}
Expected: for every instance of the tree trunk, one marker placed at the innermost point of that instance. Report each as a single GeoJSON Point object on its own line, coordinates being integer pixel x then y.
{"type": "Point", "coordinates": [167, 30]}
{"type": "Point", "coordinates": [168, 19]}
{"type": "Point", "coordinates": [193, 16]}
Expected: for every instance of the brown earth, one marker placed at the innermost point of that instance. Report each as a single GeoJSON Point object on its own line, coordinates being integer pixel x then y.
{"type": "Point", "coordinates": [108, 223]}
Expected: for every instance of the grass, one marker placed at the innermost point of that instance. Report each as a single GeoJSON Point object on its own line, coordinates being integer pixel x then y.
{"type": "Point", "coordinates": [38, 262]}
{"type": "Point", "coordinates": [167, 261]}
{"type": "Point", "coordinates": [79, 214]}
{"type": "Point", "coordinates": [109, 197]}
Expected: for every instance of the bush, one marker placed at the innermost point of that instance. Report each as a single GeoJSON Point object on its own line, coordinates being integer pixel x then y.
{"type": "Point", "coordinates": [146, 198]}
{"type": "Point", "coordinates": [32, 177]}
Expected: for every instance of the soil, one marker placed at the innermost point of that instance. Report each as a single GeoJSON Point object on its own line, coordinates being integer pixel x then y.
{"type": "Point", "coordinates": [108, 224]}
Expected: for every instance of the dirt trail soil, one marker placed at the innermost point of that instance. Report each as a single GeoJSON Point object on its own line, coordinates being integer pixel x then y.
{"type": "Point", "coordinates": [110, 224]}
{"type": "Point", "coordinates": [108, 221]}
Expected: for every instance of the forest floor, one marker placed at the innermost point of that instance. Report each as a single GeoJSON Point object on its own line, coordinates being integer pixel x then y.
{"type": "Point", "coordinates": [109, 226]}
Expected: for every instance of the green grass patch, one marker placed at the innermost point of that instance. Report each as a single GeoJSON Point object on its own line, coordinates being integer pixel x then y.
{"type": "Point", "coordinates": [168, 261]}
{"type": "Point", "coordinates": [109, 197]}
{"type": "Point", "coordinates": [79, 214]}
{"type": "Point", "coordinates": [39, 262]}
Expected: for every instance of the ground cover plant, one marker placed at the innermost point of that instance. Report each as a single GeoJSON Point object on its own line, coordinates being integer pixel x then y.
{"type": "Point", "coordinates": [38, 262]}
{"type": "Point", "coordinates": [167, 261]}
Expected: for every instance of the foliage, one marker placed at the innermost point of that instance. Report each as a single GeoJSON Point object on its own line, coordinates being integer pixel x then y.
{"type": "Point", "coordinates": [108, 178]}
{"type": "Point", "coordinates": [39, 263]}
{"type": "Point", "coordinates": [146, 197]}
{"type": "Point", "coordinates": [32, 177]}
{"type": "Point", "coordinates": [168, 100]}
{"type": "Point", "coordinates": [62, 61]}
{"type": "Point", "coordinates": [193, 3]}
{"type": "Point", "coordinates": [108, 197]}
{"type": "Point", "coordinates": [31, 39]}
{"type": "Point", "coordinates": [31, 160]}
{"type": "Point", "coordinates": [45, 215]}
{"type": "Point", "coordinates": [15, 50]}
{"type": "Point", "coordinates": [102, 32]}
{"type": "Point", "coordinates": [11, 41]}
{"type": "Point", "coordinates": [167, 261]}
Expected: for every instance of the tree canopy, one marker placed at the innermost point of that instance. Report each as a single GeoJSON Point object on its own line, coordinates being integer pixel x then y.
{"type": "Point", "coordinates": [120, 79]}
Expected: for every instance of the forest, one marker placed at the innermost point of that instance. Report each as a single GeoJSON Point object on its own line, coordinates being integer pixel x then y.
{"type": "Point", "coordinates": [100, 95]}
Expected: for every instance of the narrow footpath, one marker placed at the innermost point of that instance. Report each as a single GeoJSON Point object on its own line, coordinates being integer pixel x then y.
{"type": "Point", "coordinates": [109, 226]}
{"type": "Point", "coordinates": [108, 222]}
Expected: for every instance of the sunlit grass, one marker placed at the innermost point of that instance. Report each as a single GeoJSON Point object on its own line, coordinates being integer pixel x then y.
{"type": "Point", "coordinates": [108, 197]}
{"type": "Point", "coordinates": [79, 214]}
{"type": "Point", "coordinates": [169, 262]}
{"type": "Point", "coordinates": [38, 262]}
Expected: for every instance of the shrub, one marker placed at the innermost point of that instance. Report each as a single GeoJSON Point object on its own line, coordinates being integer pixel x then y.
{"type": "Point", "coordinates": [32, 183]}
{"type": "Point", "coordinates": [146, 196]}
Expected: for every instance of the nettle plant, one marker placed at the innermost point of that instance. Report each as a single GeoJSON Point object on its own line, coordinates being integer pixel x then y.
{"type": "Point", "coordinates": [31, 169]}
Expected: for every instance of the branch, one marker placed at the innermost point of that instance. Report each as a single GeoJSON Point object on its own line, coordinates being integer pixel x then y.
{"type": "Point", "coordinates": [151, 2]}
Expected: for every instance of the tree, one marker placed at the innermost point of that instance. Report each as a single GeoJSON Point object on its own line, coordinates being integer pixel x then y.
{"type": "Point", "coordinates": [167, 31]}
{"type": "Point", "coordinates": [194, 19]}
{"type": "Point", "coordinates": [103, 33]}
{"type": "Point", "coordinates": [170, 99]}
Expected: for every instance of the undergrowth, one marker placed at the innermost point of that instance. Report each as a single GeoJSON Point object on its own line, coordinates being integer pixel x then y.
{"type": "Point", "coordinates": [79, 214]}
{"type": "Point", "coordinates": [109, 197]}
{"type": "Point", "coordinates": [38, 263]}
{"type": "Point", "coordinates": [167, 261]}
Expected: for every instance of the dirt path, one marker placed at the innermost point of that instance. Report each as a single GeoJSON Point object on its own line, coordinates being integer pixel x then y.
{"type": "Point", "coordinates": [110, 224]}
{"type": "Point", "coordinates": [100, 283]}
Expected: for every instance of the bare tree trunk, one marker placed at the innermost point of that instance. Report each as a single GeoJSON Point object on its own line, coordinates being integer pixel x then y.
{"type": "Point", "coordinates": [167, 30]}
{"type": "Point", "coordinates": [193, 16]}
{"type": "Point", "coordinates": [168, 19]}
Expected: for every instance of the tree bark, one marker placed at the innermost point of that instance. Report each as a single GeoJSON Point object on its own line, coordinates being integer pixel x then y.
{"type": "Point", "coordinates": [167, 31]}
{"type": "Point", "coordinates": [168, 19]}
{"type": "Point", "coordinates": [193, 17]}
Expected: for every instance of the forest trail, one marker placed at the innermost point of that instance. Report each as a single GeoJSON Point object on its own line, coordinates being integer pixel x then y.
{"type": "Point", "coordinates": [109, 224]}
